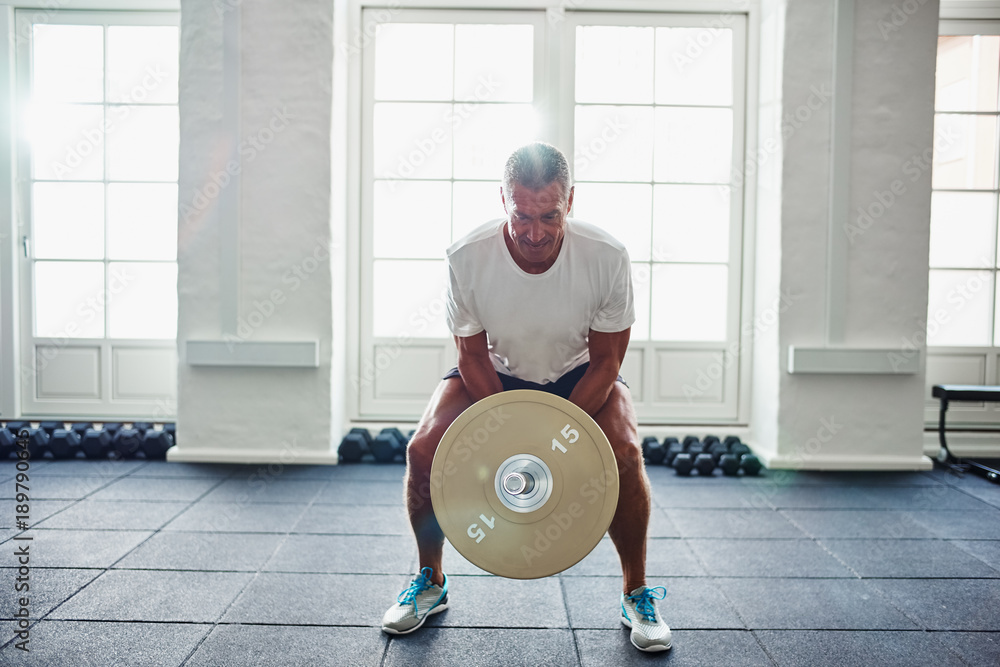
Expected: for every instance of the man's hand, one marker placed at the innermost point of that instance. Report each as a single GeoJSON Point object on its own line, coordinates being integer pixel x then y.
{"type": "Point", "coordinates": [475, 366]}
{"type": "Point", "coordinates": [607, 351]}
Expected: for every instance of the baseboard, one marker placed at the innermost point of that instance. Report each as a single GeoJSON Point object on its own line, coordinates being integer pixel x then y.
{"type": "Point", "coordinates": [965, 444]}
{"type": "Point", "coordinates": [250, 456]}
{"type": "Point", "coordinates": [779, 462]}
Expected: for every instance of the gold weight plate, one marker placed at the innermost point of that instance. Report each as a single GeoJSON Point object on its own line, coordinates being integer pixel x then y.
{"type": "Point", "coordinates": [582, 473]}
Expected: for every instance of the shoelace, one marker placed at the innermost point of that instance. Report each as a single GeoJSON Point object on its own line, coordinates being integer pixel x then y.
{"type": "Point", "coordinates": [644, 601]}
{"type": "Point", "coordinates": [418, 586]}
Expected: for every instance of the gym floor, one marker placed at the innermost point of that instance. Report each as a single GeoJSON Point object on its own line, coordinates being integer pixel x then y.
{"type": "Point", "coordinates": [153, 563]}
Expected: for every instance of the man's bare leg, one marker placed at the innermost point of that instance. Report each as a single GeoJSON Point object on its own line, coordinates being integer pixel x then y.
{"type": "Point", "coordinates": [631, 521]}
{"type": "Point", "coordinates": [449, 401]}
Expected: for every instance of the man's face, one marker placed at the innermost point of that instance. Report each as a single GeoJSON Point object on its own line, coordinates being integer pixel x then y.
{"type": "Point", "coordinates": [536, 224]}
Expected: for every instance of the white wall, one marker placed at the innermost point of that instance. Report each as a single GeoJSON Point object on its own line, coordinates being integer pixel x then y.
{"type": "Point", "coordinates": [274, 285]}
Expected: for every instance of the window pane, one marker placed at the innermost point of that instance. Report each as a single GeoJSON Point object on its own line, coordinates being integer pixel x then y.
{"type": "Point", "coordinates": [142, 300]}
{"type": "Point", "coordinates": [640, 293]}
{"type": "Point", "coordinates": [143, 143]}
{"type": "Point", "coordinates": [411, 218]}
{"type": "Point", "coordinates": [959, 306]}
{"type": "Point", "coordinates": [486, 135]}
{"type": "Point", "coordinates": [625, 210]}
{"type": "Point", "coordinates": [614, 64]}
{"type": "Point", "coordinates": [67, 141]}
{"type": "Point", "coordinates": [69, 299]}
{"type": "Point", "coordinates": [413, 61]}
{"type": "Point", "coordinates": [613, 143]}
{"type": "Point", "coordinates": [689, 302]}
{"type": "Point", "coordinates": [694, 66]}
{"type": "Point", "coordinates": [691, 223]}
{"type": "Point", "coordinates": [142, 64]}
{"type": "Point", "coordinates": [409, 299]}
{"type": "Point", "coordinates": [413, 140]}
{"type": "Point", "coordinates": [476, 203]}
{"type": "Point", "coordinates": [68, 220]}
{"type": "Point", "coordinates": [67, 63]}
{"type": "Point", "coordinates": [964, 152]}
{"type": "Point", "coordinates": [962, 226]}
{"type": "Point", "coordinates": [693, 145]}
{"type": "Point", "coordinates": [494, 63]}
{"type": "Point", "coordinates": [967, 73]}
{"type": "Point", "coordinates": [142, 221]}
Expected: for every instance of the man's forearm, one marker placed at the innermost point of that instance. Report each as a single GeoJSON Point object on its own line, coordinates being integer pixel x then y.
{"type": "Point", "coordinates": [480, 378]}
{"type": "Point", "coordinates": [593, 389]}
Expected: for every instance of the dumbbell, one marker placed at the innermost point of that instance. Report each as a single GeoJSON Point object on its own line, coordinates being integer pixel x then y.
{"type": "Point", "coordinates": [730, 464]}
{"type": "Point", "coordinates": [354, 445]}
{"type": "Point", "coordinates": [171, 428]}
{"type": "Point", "coordinates": [80, 428]}
{"type": "Point", "coordinates": [716, 449]}
{"type": "Point", "coordinates": [8, 443]}
{"type": "Point", "coordinates": [15, 427]}
{"type": "Point", "coordinates": [156, 443]}
{"type": "Point", "coordinates": [50, 427]}
{"type": "Point", "coordinates": [739, 449]}
{"type": "Point", "coordinates": [387, 445]}
{"type": "Point", "coordinates": [112, 427]}
{"type": "Point", "coordinates": [64, 444]}
{"type": "Point", "coordinates": [126, 442]}
{"type": "Point", "coordinates": [38, 442]}
{"type": "Point", "coordinates": [731, 440]}
{"type": "Point", "coordinates": [751, 464]}
{"type": "Point", "coordinates": [693, 446]}
{"type": "Point", "coordinates": [653, 451]}
{"type": "Point", "coordinates": [674, 447]}
{"type": "Point", "coordinates": [704, 464]}
{"type": "Point", "coordinates": [683, 464]}
{"type": "Point", "coordinates": [95, 443]}
{"type": "Point", "coordinates": [142, 427]}
{"type": "Point", "coordinates": [709, 440]}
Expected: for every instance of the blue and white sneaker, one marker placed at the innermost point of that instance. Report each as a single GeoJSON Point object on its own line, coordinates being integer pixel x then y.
{"type": "Point", "coordinates": [649, 632]}
{"type": "Point", "coordinates": [415, 604]}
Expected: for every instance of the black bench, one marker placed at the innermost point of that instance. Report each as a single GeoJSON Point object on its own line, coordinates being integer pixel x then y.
{"type": "Point", "coordinates": [989, 468]}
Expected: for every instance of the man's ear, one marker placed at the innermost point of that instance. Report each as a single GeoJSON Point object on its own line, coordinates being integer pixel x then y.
{"type": "Point", "coordinates": [503, 200]}
{"type": "Point", "coordinates": [569, 203]}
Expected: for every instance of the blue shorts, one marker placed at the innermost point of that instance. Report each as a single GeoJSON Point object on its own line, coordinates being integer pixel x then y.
{"type": "Point", "coordinates": [562, 387]}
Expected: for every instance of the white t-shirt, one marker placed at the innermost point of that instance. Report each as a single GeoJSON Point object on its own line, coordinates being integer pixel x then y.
{"type": "Point", "coordinates": [538, 324]}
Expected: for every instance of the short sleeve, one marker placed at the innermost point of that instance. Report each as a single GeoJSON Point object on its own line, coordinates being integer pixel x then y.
{"type": "Point", "coordinates": [462, 320]}
{"type": "Point", "coordinates": [617, 311]}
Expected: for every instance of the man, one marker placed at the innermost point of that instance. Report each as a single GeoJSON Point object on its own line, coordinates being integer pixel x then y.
{"type": "Point", "coordinates": [537, 301]}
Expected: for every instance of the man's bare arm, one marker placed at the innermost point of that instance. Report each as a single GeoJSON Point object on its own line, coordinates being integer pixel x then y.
{"type": "Point", "coordinates": [607, 350]}
{"type": "Point", "coordinates": [474, 364]}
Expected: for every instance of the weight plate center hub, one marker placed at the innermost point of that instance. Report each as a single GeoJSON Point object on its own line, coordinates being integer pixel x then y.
{"type": "Point", "coordinates": [524, 484]}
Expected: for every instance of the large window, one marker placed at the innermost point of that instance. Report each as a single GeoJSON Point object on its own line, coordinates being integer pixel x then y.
{"type": "Point", "coordinates": [651, 109]}
{"type": "Point", "coordinates": [98, 167]}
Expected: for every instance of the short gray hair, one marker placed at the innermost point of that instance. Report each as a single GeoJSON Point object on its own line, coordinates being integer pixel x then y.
{"type": "Point", "coordinates": [535, 166]}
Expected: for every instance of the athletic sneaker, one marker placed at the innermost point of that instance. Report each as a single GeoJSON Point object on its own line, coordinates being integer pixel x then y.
{"type": "Point", "coordinates": [649, 632]}
{"type": "Point", "coordinates": [415, 604]}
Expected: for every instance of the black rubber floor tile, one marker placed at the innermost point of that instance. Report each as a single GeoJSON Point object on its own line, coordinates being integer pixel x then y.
{"type": "Point", "coordinates": [82, 548]}
{"type": "Point", "coordinates": [142, 595]}
{"type": "Point", "coordinates": [595, 602]}
{"type": "Point", "coordinates": [482, 647]}
{"type": "Point", "coordinates": [241, 645]}
{"type": "Point", "coordinates": [47, 588]}
{"type": "Point", "coordinates": [237, 518]}
{"type": "Point", "coordinates": [760, 558]}
{"type": "Point", "coordinates": [116, 515]}
{"type": "Point", "coordinates": [710, 494]}
{"type": "Point", "coordinates": [344, 554]}
{"type": "Point", "coordinates": [660, 524]}
{"type": "Point", "coordinates": [927, 498]}
{"type": "Point", "coordinates": [908, 558]}
{"type": "Point", "coordinates": [354, 520]}
{"type": "Point", "coordinates": [961, 525]}
{"type": "Point", "coordinates": [733, 523]}
{"type": "Point", "coordinates": [987, 551]}
{"type": "Point", "coordinates": [317, 599]}
{"type": "Point", "coordinates": [241, 490]}
{"type": "Point", "coordinates": [284, 472]}
{"type": "Point", "coordinates": [834, 649]}
{"type": "Point", "coordinates": [947, 604]}
{"type": "Point", "coordinates": [106, 468]}
{"type": "Point", "coordinates": [203, 551]}
{"type": "Point", "coordinates": [812, 604]}
{"type": "Point", "coordinates": [367, 472]}
{"type": "Point", "coordinates": [184, 469]}
{"type": "Point", "coordinates": [691, 648]}
{"type": "Point", "coordinates": [848, 478]}
{"type": "Point", "coordinates": [98, 644]}
{"type": "Point", "coordinates": [39, 510]}
{"type": "Point", "coordinates": [495, 602]}
{"type": "Point", "coordinates": [980, 649]}
{"type": "Point", "coordinates": [361, 492]}
{"type": "Point", "coordinates": [154, 488]}
{"type": "Point", "coordinates": [664, 558]}
{"type": "Point", "coordinates": [57, 487]}
{"type": "Point", "coordinates": [454, 562]}
{"type": "Point", "coordinates": [857, 523]}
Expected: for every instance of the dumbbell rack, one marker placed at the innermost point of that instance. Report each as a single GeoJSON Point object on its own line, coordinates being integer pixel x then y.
{"type": "Point", "coordinates": [702, 455]}
{"type": "Point", "coordinates": [101, 440]}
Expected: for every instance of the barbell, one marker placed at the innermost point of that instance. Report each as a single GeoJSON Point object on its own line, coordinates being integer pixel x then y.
{"type": "Point", "coordinates": [524, 484]}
